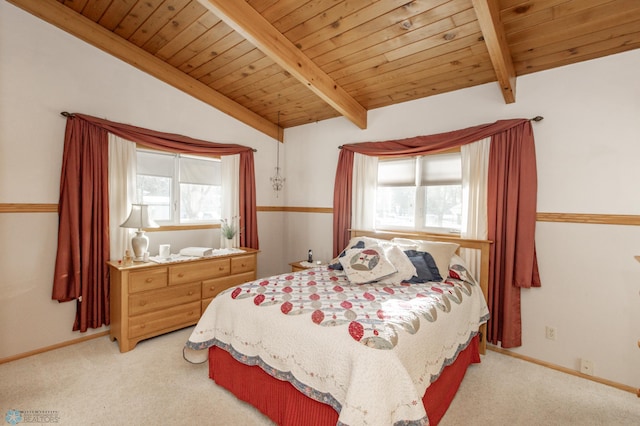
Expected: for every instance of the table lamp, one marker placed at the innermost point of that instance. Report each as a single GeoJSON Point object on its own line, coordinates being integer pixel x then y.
{"type": "Point", "coordinates": [138, 219]}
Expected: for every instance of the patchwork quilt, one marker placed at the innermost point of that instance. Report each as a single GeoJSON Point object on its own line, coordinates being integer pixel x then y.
{"type": "Point", "coordinates": [368, 350]}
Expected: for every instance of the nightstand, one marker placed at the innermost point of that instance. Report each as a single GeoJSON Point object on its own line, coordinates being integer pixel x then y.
{"type": "Point", "coordinates": [300, 265]}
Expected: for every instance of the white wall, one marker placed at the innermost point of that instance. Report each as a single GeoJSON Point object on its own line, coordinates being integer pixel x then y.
{"type": "Point", "coordinates": [587, 151]}
{"type": "Point", "coordinates": [44, 71]}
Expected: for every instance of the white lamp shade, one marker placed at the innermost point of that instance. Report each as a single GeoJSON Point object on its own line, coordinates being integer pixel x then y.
{"type": "Point", "coordinates": [139, 218]}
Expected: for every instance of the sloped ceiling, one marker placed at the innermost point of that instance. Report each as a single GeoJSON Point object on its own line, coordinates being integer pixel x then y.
{"type": "Point", "coordinates": [274, 64]}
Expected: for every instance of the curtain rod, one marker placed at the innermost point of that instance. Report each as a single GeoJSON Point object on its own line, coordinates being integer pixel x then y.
{"type": "Point", "coordinates": [68, 114]}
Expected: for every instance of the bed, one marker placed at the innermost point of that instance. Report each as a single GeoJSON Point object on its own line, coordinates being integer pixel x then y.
{"type": "Point", "coordinates": [383, 335]}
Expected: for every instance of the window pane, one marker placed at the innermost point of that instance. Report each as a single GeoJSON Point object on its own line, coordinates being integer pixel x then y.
{"type": "Point", "coordinates": [199, 203]}
{"type": "Point", "coordinates": [397, 172]}
{"type": "Point", "coordinates": [395, 206]}
{"type": "Point", "coordinates": [199, 171]}
{"type": "Point", "coordinates": [443, 206]}
{"type": "Point", "coordinates": [155, 163]}
{"type": "Point", "coordinates": [156, 192]}
{"type": "Point", "coordinates": [441, 169]}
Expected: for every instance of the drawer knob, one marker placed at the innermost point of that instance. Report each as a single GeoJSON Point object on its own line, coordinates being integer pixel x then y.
{"type": "Point", "coordinates": [181, 275]}
{"type": "Point", "coordinates": [221, 268]}
{"type": "Point", "coordinates": [191, 293]}
{"type": "Point", "coordinates": [149, 280]}
{"type": "Point", "coordinates": [142, 303]}
{"type": "Point", "coordinates": [143, 325]}
{"type": "Point", "coordinates": [213, 287]}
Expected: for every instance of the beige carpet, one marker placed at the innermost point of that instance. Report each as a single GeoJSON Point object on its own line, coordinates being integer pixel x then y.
{"type": "Point", "coordinates": [92, 383]}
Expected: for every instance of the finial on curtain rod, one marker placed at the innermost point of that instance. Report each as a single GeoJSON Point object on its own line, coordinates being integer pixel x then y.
{"type": "Point", "coordinates": [537, 118]}
{"type": "Point", "coordinates": [66, 114]}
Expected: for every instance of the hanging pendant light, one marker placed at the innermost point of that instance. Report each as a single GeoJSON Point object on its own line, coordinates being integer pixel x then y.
{"type": "Point", "coordinates": [277, 181]}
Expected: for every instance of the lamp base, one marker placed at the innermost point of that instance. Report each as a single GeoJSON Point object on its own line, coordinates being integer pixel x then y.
{"type": "Point", "coordinates": [140, 244]}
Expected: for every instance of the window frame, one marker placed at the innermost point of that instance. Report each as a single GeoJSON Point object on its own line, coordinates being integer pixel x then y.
{"type": "Point", "coordinates": [175, 194]}
{"type": "Point", "coordinates": [420, 198]}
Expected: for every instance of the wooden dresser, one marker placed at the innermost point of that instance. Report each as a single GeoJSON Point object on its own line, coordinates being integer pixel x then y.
{"type": "Point", "coordinates": [149, 299]}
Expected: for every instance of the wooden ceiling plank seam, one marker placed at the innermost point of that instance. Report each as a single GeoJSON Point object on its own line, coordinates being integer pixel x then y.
{"type": "Point", "coordinates": [204, 48]}
{"type": "Point", "coordinates": [591, 19]}
{"type": "Point", "coordinates": [115, 13]}
{"type": "Point", "coordinates": [387, 60]}
{"type": "Point", "coordinates": [527, 13]}
{"type": "Point", "coordinates": [249, 74]}
{"type": "Point", "coordinates": [441, 35]}
{"type": "Point", "coordinates": [225, 54]}
{"type": "Point", "coordinates": [284, 88]}
{"type": "Point", "coordinates": [95, 9]}
{"type": "Point", "coordinates": [246, 20]}
{"type": "Point", "coordinates": [434, 53]}
{"type": "Point", "coordinates": [574, 44]}
{"type": "Point", "coordinates": [361, 25]}
{"type": "Point", "coordinates": [391, 37]}
{"type": "Point", "coordinates": [277, 9]}
{"type": "Point", "coordinates": [76, 5]}
{"type": "Point", "coordinates": [233, 70]}
{"type": "Point", "coordinates": [427, 76]}
{"type": "Point", "coordinates": [103, 39]}
{"type": "Point", "coordinates": [174, 26]}
{"type": "Point", "coordinates": [467, 78]}
{"type": "Point", "coordinates": [163, 15]}
{"type": "Point", "coordinates": [136, 17]}
{"type": "Point", "coordinates": [453, 59]}
{"type": "Point", "coordinates": [494, 36]}
{"type": "Point", "coordinates": [585, 52]}
{"type": "Point", "coordinates": [409, 95]}
{"type": "Point", "coordinates": [306, 16]}
{"type": "Point", "coordinates": [194, 31]}
{"type": "Point", "coordinates": [263, 73]}
{"type": "Point", "coordinates": [329, 18]}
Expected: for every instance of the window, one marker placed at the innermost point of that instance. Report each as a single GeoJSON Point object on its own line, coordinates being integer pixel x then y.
{"type": "Point", "coordinates": [422, 193]}
{"type": "Point", "coordinates": [179, 188]}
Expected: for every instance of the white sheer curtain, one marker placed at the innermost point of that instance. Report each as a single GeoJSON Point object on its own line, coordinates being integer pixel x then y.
{"type": "Point", "coordinates": [230, 173]}
{"type": "Point", "coordinates": [365, 181]}
{"type": "Point", "coordinates": [122, 192]}
{"type": "Point", "coordinates": [475, 166]}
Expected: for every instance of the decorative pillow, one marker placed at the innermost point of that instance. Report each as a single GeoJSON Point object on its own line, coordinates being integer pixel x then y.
{"type": "Point", "coordinates": [366, 265]}
{"type": "Point", "coordinates": [458, 269]}
{"type": "Point", "coordinates": [426, 269]}
{"type": "Point", "coordinates": [406, 269]}
{"type": "Point", "coordinates": [440, 251]}
{"type": "Point", "coordinates": [355, 242]}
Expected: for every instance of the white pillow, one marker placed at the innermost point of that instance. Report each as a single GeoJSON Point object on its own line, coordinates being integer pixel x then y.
{"type": "Point", "coordinates": [406, 269]}
{"type": "Point", "coordinates": [366, 265]}
{"type": "Point", "coordinates": [439, 250]}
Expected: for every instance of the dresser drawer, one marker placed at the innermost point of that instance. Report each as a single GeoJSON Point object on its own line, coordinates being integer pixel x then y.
{"type": "Point", "coordinates": [149, 301]}
{"type": "Point", "coordinates": [148, 279]}
{"type": "Point", "coordinates": [171, 318]}
{"type": "Point", "coordinates": [198, 271]}
{"type": "Point", "coordinates": [243, 264]}
{"type": "Point", "coordinates": [210, 288]}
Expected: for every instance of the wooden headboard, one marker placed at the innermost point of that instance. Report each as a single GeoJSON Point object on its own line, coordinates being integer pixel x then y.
{"type": "Point", "coordinates": [482, 245]}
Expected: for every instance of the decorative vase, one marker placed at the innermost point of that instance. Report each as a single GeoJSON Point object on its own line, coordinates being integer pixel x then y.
{"type": "Point", "coordinates": [228, 243]}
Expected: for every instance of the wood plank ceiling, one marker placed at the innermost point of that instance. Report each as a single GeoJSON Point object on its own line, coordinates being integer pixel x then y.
{"type": "Point", "coordinates": [293, 62]}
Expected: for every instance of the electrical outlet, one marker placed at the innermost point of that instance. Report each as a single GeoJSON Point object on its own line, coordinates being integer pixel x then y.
{"type": "Point", "coordinates": [550, 333]}
{"type": "Point", "coordinates": [586, 367]}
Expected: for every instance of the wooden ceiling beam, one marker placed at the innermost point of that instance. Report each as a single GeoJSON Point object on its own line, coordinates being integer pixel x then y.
{"type": "Point", "coordinates": [488, 15]}
{"type": "Point", "coordinates": [244, 19]}
{"type": "Point", "coordinates": [74, 23]}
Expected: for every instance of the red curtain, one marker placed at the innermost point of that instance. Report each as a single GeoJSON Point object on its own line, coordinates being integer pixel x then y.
{"type": "Point", "coordinates": [81, 272]}
{"type": "Point", "coordinates": [511, 209]}
{"type": "Point", "coordinates": [511, 212]}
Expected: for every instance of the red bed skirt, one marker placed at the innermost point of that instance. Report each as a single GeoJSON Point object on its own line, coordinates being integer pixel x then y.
{"type": "Point", "coordinates": [286, 406]}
